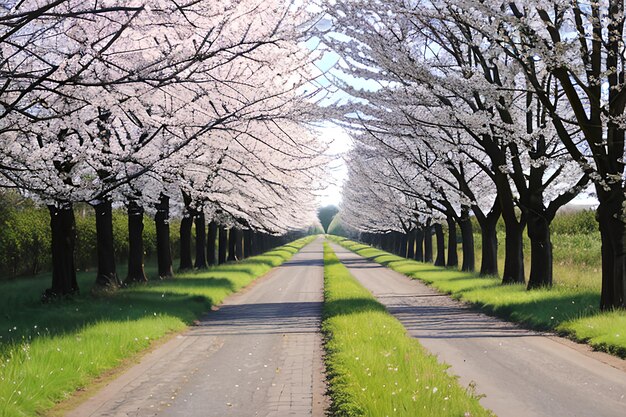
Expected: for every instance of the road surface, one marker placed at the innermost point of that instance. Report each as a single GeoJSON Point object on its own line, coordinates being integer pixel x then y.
{"type": "Point", "coordinates": [520, 372]}
{"type": "Point", "coordinates": [258, 355]}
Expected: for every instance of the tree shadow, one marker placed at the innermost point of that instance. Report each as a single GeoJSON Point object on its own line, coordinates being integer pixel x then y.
{"type": "Point", "coordinates": [261, 319]}
{"type": "Point", "coordinates": [71, 315]}
{"type": "Point", "coordinates": [187, 283]}
{"type": "Point", "coordinates": [350, 306]}
{"type": "Point", "coordinates": [23, 318]}
{"type": "Point", "coordinates": [545, 311]}
{"type": "Point", "coordinates": [541, 310]}
{"type": "Point", "coordinates": [431, 321]}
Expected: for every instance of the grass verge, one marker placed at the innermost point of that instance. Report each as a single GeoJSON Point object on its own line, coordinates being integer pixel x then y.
{"type": "Point", "coordinates": [47, 352]}
{"type": "Point", "coordinates": [373, 367]}
{"type": "Point", "coordinates": [569, 311]}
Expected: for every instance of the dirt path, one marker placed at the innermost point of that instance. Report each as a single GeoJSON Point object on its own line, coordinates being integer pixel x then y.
{"type": "Point", "coordinates": [258, 355]}
{"type": "Point", "coordinates": [520, 372]}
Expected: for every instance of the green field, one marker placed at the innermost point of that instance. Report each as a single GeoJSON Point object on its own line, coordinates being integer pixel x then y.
{"type": "Point", "coordinates": [568, 308]}
{"type": "Point", "coordinates": [577, 258]}
{"type": "Point", "coordinates": [374, 367]}
{"type": "Point", "coordinates": [48, 351]}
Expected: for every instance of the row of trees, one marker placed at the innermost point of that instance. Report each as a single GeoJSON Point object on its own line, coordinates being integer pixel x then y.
{"type": "Point", "coordinates": [196, 106]}
{"type": "Point", "coordinates": [486, 108]}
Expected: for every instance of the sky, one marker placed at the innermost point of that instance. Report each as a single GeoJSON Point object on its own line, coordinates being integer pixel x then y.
{"type": "Point", "coordinates": [328, 132]}
{"type": "Point", "coordinates": [340, 143]}
{"type": "Point", "coordinates": [331, 64]}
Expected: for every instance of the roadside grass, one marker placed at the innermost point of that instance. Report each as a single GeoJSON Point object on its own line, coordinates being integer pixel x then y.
{"type": "Point", "coordinates": [577, 258]}
{"type": "Point", "coordinates": [373, 367]}
{"type": "Point", "coordinates": [569, 310]}
{"type": "Point", "coordinates": [48, 351]}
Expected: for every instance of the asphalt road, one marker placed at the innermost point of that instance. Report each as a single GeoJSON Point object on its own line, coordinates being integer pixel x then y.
{"type": "Point", "coordinates": [520, 372]}
{"type": "Point", "coordinates": [258, 355]}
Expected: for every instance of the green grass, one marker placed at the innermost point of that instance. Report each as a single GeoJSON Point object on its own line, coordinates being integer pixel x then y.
{"type": "Point", "coordinates": [49, 351]}
{"type": "Point", "coordinates": [373, 367]}
{"type": "Point", "coordinates": [577, 258]}
{"type": "Point", "coordinates": [569, 310]}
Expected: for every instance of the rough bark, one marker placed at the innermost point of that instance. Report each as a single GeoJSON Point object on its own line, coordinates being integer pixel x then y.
{"type": "Point", "coordinates": [254, 243]}
{"type": "Point", "coordinates": [164, 253]}
{"type": "Point", "coordinates": [513, 247]}
{"type": "Point", "coordinates": [514, 254]}
{"type": "Point", "coordinates": [419, 245]}
{"type": "Point", "coordinates": [136, 272]}
{"type": "Point", "coordinates": [399, 240]}
{"type": "Point", "coordinates": [211, 243]}
{"type": "Point", "coordinates": [467, 237]}
{"type": "Point", "coordinates": [239, 244]}
{"type": "Point", "coordinates": [232, 242]}
{"type": "Point", "coordinates": [441, 255]}
{"type": "Point", "coordinates": [540, 251]}
{"type": "Point", "coordinates": [257, 243]}
{"type": "Point", "coordinates": [402, 247]}
{"type": "Point", "coordinates": [384, 242]}
{"type": "Point", "coordinates": [453, 258]}
{"type": "Point", "coordinates": [489, 251]}
{"type": "Point", "coordinates": [185, 242]}
{"type": "Point", "coordinates": [63, 231]}
{"type": "Point", "coordinates": [613, 235]}
{"type": "Point", "coordinates": [247, 243]}
{"type": "Point", "coordinates": [107, 272]}
{"type": "Point", "coordinates": [428, 243]}
{"type": "Point", "coordinates": [410, 253]}
{"type": "Point", "coordinates": [222, 245]}
{"type": "Point", "coordinates": [200, 262]}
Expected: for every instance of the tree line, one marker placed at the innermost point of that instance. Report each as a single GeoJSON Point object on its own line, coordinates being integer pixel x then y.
{"type": "Point", "coordinates": [198, 107]}
{"type": "Point", "coordinates": [483, 109]}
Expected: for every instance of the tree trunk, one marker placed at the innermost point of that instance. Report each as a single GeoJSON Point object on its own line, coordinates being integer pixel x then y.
{"type": "Point", "coordinates": [613, 234]}
{"type": "Point", "coordinates": [185, 242]}
{"type": "Point", "coordinates": [247, 243]}
{"type": "Point", "coordinates": [428, 243]}
{"type": "Point", "coordinates": [222, 245]}
{"type": "Point", "coordinates": [467, 236]}
{"type": "Point", "coordinates": [514, 254]}
{"type": "Point", "coordinates": [410, 253]}
{"type": "Point", "coordinates": [399, 241]}
{"type": "Point", "coordinates": [419, 245]}
{"type": "Point", "coordinates": [232, 242]}
{"type": "Point", "coordinates": [164, 253]}
{"type": "Point", "coordinates": [136, 272]}
{"type": "Point", "coordinates": [489, 239]}
{"type": "Point", "coordinates": [200, 241]}
{"type": "Point", "coordinates": [453, 258]}
{"type": "Point", "coordinates": [254, 243]}
{"type": "Point", "coordinates": [239, 244]}
{"type": "Point", "coordinates": [402, 250]}
{"type": "Point", "coordinates": [441, 255]}
{"type": "Point", "coordinates": [210, 247]}
{"type": "Point", "coordinates": [540, 251]}
{"type": "Point", "coordinates": [63, 231]}
{"type": "Point", "coordinates": [107, 273]}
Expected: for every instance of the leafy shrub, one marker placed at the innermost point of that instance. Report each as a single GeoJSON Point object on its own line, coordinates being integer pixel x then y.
{"type": "Point", "coordinates": [24, 241]}
{"type": "Point", "coordinates": [25, 237]}
{"type": "Point", "coordinates": [575, 222]}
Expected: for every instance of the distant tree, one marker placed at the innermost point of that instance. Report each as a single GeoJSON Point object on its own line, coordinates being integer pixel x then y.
{"type": "Point", "coordinates": [326, 215]}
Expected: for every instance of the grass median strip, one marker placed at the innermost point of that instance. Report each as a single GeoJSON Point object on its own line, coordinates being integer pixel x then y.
{"type": "Point", "coordinates": [570, 311]}
{"type": "Point", "coordinates": [49, 351]}
{"type": "Point", "coordinates": [374, 367]}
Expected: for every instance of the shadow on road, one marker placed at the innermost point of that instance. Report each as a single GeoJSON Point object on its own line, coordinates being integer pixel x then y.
{"type": "Point", "coordinates": [261, 318]}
